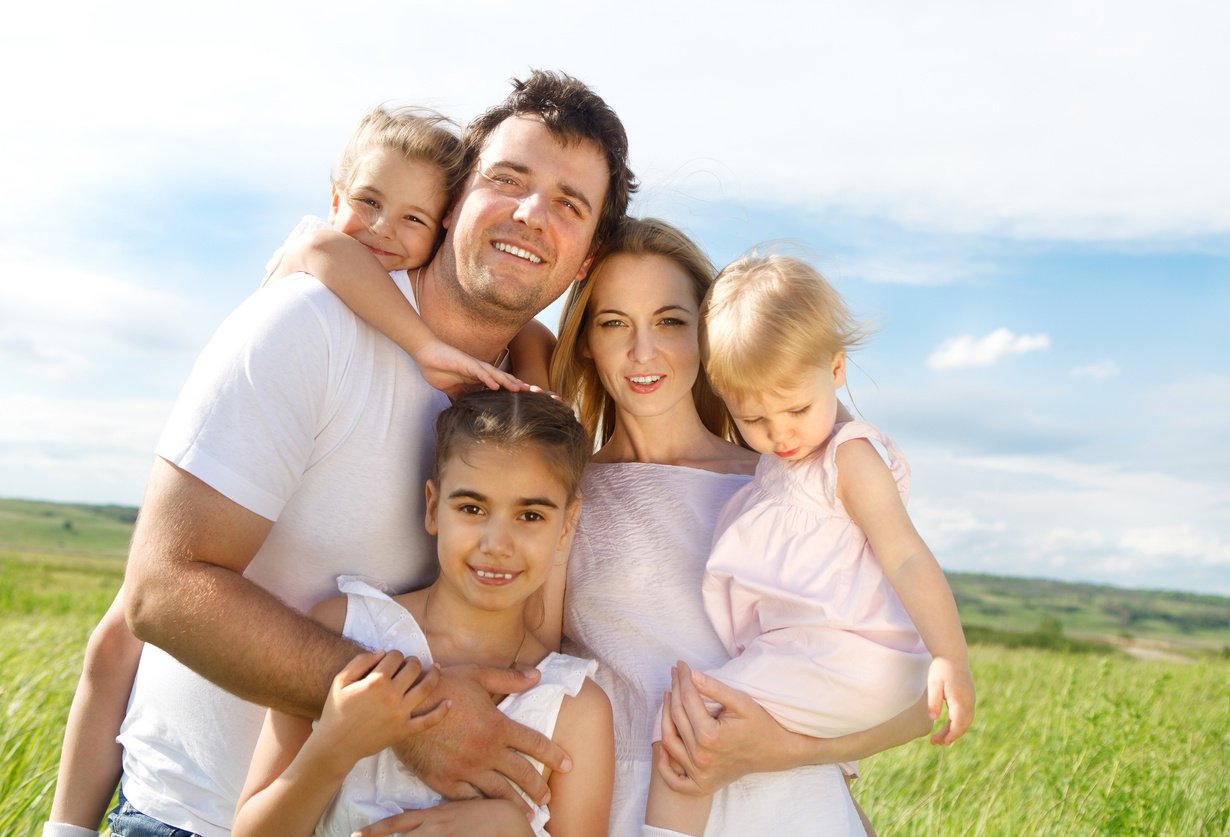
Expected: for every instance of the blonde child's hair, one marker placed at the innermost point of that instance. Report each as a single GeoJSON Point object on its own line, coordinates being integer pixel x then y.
{"type": "Point", "coordinates": [416, 134]}
{"type": "Point", "coordinates": [574, 376]}
{"type": "Point", "coordinates": [769, 318]}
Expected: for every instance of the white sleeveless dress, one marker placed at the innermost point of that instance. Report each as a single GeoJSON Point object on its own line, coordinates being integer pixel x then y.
{"type": "Point", "coordinates": [380, 785]}
{"type": "Point", "coordinates": [634, 604]}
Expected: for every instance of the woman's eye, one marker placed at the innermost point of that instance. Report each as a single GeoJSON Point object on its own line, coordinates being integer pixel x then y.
{"type": "Point", "coordinates": [610, 323]}
{"type": "Point", "coordinates": [672, 321]}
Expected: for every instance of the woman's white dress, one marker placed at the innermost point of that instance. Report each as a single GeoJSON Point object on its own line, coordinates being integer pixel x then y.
{"type": "Point", "coordinates": [634, 605]}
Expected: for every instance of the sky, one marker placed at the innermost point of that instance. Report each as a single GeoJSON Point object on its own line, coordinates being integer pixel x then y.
{"type": "Point", "coordinates": [1030, 202]}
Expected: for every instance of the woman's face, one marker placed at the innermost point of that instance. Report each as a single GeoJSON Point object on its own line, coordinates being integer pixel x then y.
{"type": "Point", "coordinates": [642, 334]}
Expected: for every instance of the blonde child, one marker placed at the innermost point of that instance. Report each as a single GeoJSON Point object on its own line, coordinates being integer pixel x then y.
{"type": "Point", "coordinates": [502, 501]}
{"type": "Point", "coordinates": [835, 613]}
{"type": "Point", "coordinates": [391, 187]}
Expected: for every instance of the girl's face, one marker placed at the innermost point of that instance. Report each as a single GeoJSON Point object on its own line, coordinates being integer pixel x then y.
{"type": "Point", "coordinates": [393, 207]}
{"type": "Point", "coordinates": [642, 335]}
{"type": "Point", "coordinates": [792, 422]}
{"type": "Point", "coordinates": [500, 516]}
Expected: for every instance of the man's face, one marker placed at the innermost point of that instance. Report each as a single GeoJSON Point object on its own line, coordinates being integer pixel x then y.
{"type": "Point", "coordinates": [523, 229]}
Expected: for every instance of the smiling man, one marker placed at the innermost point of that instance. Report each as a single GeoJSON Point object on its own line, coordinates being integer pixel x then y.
{"type": "Point", "coordinates": [296, 453]}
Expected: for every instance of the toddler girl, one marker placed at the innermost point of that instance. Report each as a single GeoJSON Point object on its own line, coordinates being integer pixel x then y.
{"type": "Point", "coordinates": [825, 596]}
{"type": "Point", "coordinates": [502, 502]}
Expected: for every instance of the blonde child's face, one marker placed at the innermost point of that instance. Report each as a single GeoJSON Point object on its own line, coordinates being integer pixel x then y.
{"type": "Point", "coordinates": [500, 515]}
{"type": "Point", "coordinates": [792, 422]}
{"type": "Point", "coordinates": [393, 206]}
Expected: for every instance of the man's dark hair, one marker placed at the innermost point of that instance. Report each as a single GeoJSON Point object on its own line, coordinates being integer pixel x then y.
{"type": "Point", "coordinates": [573, 113]}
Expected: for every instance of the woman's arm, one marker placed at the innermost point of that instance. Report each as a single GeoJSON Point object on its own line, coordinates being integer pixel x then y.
{"type": "Point", "coordinates": [345, 267]}
{"type": "Point", "coordinates": [90, 758]}
{"type": "Point", "coordinates": [744, 738]}
{"type": "Point", "coordinates": [869, 493]}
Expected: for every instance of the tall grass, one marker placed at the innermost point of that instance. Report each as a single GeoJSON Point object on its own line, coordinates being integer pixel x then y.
{"type": "Point", "coordinates": [1069, 744]}
{"type": "Point", "coordinates": [1063, 743]}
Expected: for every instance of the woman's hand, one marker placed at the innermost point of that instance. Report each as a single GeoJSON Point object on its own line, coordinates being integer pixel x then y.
{"type": "Point", "coordinates": [471, 818]}
{"type": "Point", "coordinates": [713, 751]}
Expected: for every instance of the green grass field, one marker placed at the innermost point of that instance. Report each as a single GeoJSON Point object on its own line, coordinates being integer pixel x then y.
{"type": "Point", "coordinates": [1063, 743]}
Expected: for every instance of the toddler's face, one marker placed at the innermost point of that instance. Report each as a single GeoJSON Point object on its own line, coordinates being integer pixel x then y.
{"type": "Point", "coordinates": [792, 422]}
{"type": "Point", "coordinates": [393, 207]}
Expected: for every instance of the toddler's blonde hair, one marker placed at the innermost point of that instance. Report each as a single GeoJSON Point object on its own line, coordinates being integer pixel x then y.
{"type": "Point", "coordinates": [766, 320]}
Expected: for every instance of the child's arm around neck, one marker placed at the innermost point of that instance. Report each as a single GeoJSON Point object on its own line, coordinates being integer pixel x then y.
{"type": "Point", "coordinates": [346, 268]}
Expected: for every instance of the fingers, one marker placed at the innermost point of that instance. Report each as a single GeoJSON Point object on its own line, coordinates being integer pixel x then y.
{"type": "Point", "coordinates": [532, 743]}
{"type": "Point", "coordinates": [359, 667]}
{"type": "Point", "coordinates": [505, 681]}
{"type": "Point", "coordinates": [396, 824]}
{"type": "Point", "coordinates": [935, 698]}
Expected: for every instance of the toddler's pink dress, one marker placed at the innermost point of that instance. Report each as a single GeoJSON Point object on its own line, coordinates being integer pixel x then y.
{"type": "Point", "coordinates": [815, 630]}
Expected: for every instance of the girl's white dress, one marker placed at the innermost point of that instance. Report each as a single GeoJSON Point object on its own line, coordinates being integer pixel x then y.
{"type": "Point", "coordinates": [634, 604]}
{"type": "Point", "coordinates": [380, 785]}
{"type": "Point", "coordinates": [816, 632]}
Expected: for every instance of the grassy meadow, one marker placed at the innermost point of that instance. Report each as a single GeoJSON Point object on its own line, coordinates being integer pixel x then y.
{"type": "Point", "coordinates": [1072, 735]}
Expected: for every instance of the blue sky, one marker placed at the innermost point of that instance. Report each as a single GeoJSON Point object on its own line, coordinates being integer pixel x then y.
{"type": "Point", "coordinates": [1030, 201]}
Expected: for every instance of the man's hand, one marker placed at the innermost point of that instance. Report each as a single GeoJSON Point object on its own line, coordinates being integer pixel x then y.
{"type": "Point", "coordinates": [714, 751]}
{"type": "Point", "coordinates": [950, 682]}
{"type": "Point", "coordinates": [372, 702]}
{"type": "Point", "coordinates": [472, 818]}
{"type": "Point", "coordinates": [477, 750]}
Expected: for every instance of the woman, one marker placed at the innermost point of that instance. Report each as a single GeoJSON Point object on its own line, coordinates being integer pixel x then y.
{"type": "Point", "coordinates": [628, 356]}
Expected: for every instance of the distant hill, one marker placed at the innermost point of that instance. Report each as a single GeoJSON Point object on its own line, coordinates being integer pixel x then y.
{"type": "Point", "coordinates": [36, 525]}
{"type": "Point", "coordinates": [996, 609]}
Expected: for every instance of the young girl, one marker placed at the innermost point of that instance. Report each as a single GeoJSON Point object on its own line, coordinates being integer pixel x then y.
{"type": "Point", "coordinates": [824, 594]}
{"type": "Point", "coordinates": [391, 187]}
{"type": "Point", "coordinates": [503, 500]}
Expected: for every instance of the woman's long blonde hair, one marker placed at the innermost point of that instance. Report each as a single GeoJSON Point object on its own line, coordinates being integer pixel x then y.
{"type": "Point", "coordinates": [574, 376]}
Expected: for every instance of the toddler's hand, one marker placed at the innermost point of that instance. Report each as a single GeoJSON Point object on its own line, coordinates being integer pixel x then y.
{"type": "Point", "coordinates": [371, 704]}
{"type": "Point", "coordinates": [950, 682]}
{"type": "Point", "coordinates": [452, 371]}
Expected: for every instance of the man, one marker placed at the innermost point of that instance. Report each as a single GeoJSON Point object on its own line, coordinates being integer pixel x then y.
{"type": "Point", "coordinates": [298, 451]}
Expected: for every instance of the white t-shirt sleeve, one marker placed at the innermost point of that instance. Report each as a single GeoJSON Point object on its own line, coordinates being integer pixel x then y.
{"type": "Point", "coordinates": [258, 395]}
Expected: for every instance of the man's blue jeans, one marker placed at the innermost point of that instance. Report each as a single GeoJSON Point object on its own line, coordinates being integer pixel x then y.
{"type": "Point", "coordinates": [127, 821]}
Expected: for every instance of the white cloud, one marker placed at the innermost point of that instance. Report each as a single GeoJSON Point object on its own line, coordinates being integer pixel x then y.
{"type": "Point", "coordinates": [967, 350]}
{"type": "Point", "coordinates": [1099, 371]}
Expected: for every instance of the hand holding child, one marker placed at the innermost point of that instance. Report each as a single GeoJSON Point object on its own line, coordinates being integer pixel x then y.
{"type": "Point", "coordinates": [371, 705]}
{"type": "Point", "coordinates": [950, 682]}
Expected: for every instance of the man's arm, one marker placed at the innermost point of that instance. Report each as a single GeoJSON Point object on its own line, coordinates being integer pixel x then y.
{"type": "Point", "coordinates": [186, 593]}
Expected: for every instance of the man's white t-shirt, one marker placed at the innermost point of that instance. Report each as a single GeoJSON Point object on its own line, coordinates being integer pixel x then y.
{"type": "Point", "coordinates": [302, 413]}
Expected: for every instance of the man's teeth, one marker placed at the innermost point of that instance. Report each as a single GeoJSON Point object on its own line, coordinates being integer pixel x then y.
{"type": "Point", "coordinates": [489, 574]}
{"type": "Point", "coordinates": [518, 252]}
{"type": "Point", "coordinates": [645, 379]}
